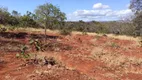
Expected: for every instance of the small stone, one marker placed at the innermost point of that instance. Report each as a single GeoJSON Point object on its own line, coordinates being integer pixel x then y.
{"type": "Point", "coordinates": [49, 66]}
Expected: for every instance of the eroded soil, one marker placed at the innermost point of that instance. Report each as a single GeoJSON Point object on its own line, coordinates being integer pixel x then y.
{"type": "Point", "coordinates": [79, 57]}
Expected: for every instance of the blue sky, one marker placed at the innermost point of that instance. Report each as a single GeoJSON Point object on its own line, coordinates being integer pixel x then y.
{"type": "Point", "coordinates": [86, 10]}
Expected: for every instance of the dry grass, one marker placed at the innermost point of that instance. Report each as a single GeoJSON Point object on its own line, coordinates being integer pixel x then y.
{"type": "Point", "coordinates": [121, 37]}
{"type": "Point", "coordinates": [117, 61]}
{"type": "Point", "coordinates": [124, 37]}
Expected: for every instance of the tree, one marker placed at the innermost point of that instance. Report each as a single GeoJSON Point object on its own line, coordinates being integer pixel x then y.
{"type": "Point", "coordinates": [27, 20]}
{"type": "Point", "coordinates": [4, 15]}
{"type": "Point", "coordinates": [14, 18]}
{"type": "Point", "coordinates": [49, 14]}
{"type": "Point", "coordinates": [13, 21]}
{"type": "Point", "coordinates": [138, 24]}
{"type": "Point", "coordinates": [136, 7]}
{"type": "Point", "coordinates": [15, 14]}
{"type": "Point", "coordinates": [7, 18]}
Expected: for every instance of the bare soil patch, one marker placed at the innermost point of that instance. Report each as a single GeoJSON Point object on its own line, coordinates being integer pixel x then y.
{"type": "Point", "coordinates": [76, 57]}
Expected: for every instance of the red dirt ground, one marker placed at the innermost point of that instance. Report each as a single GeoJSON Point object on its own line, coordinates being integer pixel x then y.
{"type": "Point", "coordinates": [82, 57]}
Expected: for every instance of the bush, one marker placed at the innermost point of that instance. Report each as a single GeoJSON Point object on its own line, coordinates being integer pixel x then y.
{"type": "Point", "coordinates": [4, 15]}
{"type": "Point", "coordinates": [23, 53]}
{"type": "Point", "coordinates": [13, 21]}
{"type": "Point", "coordinates": [65, 32]}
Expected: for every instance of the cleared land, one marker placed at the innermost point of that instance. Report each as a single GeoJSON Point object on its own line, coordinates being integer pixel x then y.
{"type": "Point", "coordinates": [77, 57]}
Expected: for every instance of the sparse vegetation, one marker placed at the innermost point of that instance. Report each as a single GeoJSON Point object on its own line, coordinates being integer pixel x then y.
{"type": "Point", "coordinates": [37, 44]}
{"type": "Point", "coordinates": [23, 53]}
{"type": "Point", "coordinates": [65, 32]}
{"type": "Point", "coordinates": [32, 20]}
{"type": "Point", "coordinates": [78, 50]}
{"type": "Point", "coordinates": [50, 61]}
{"type": "Point", "coordinates": [114, 45]}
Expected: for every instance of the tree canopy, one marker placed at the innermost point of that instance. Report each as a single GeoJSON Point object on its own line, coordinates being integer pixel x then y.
{"type": "Point", "coordinates": [48, 13]}
{"type": "Point", "coordinates": [4, 15]}
{"type": "Point", "coordinates": [136, 6]}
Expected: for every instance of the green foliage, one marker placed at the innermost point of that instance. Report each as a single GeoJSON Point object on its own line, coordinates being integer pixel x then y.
{"type": "Point", "coordinates": [48, 14]}
{"type": "Point", "coordinates": [4, 15]}
{"type": "Point", "coordinates": [27, 20]}
{"type": "Point", "coordinates": [23, 53]}
{"type": "Point", "coordinates": [13, 21]}
{"type": "Point", "coordinates": [37, 44]}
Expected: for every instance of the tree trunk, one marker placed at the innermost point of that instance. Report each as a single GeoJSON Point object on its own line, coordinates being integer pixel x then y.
{"type": "Point", "coordinates": [45, 31]}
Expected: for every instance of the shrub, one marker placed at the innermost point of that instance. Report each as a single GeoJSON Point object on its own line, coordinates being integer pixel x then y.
{"type": "Point", "coordinates": [23, 53]}
{"type": "Point", "coordinates": [37, 44]}
{"type": "Point", "coordinates": [65, 32]}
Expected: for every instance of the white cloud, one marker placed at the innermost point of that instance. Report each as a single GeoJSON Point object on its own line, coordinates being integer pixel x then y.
{"type": "Point", "coordinates": [100, 6]}
{"type": "Point", "coordinates": [99, 14]}
{"type": "Point", "coordinates": [107, 14]}
{"type": "Point", "coordinates": [82, 13]}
